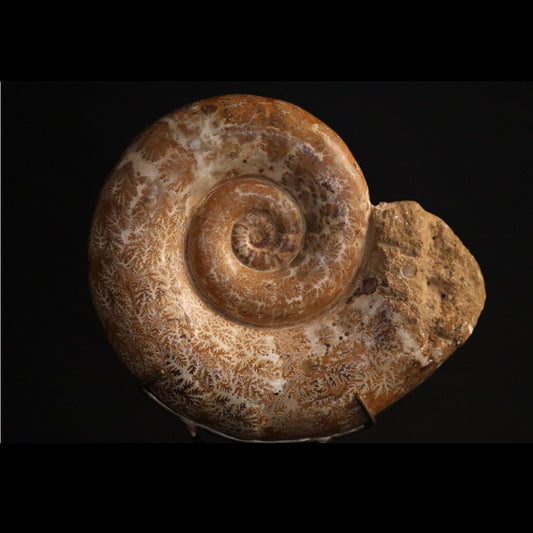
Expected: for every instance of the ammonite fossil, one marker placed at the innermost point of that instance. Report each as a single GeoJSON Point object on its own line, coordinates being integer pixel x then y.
{"type": "Point", "coordinates": [238, 266]}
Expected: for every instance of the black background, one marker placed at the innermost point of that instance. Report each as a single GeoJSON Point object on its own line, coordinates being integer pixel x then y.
{"type": "Point", "coordinates": [463, 150]}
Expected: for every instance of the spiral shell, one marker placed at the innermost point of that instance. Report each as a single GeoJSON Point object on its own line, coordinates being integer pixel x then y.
{"type": "Point", "coordinates": [235, 254]}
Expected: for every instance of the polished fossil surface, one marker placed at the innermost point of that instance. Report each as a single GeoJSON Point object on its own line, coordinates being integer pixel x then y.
{"type": "Point", "coordinates": [236, 255]}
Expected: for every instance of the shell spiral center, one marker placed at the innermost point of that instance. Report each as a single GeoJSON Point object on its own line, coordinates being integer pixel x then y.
{"type": "Point", "coordinates": [269, 235]}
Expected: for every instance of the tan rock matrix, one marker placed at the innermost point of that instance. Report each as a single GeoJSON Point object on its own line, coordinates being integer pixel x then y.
{"type": "Point", "coordinates": [238, 266]}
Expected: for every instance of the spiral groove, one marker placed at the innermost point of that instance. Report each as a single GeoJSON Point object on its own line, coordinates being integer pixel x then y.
{"type": "Point", "coordinates": [225, 230]}
{"type": "Point", "coordinates": [247, 233]}
{"type": "Point", "coordinates": [269, 235]}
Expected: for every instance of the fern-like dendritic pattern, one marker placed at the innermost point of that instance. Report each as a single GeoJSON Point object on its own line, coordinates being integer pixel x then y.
{"type": "Point", "coordinates": [234, 247]}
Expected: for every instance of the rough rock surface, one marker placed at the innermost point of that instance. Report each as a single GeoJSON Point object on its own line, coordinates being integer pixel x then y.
{"type": "Point", "coordinates": [424, 291]}
{"type": "Point", "coordinates": [235, 255]}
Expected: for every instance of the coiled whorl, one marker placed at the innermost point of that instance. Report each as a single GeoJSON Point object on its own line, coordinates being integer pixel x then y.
{"type": "Point", "coordinates": [278, 230]}
{"type": "Point", "coordinates": [226, 254]}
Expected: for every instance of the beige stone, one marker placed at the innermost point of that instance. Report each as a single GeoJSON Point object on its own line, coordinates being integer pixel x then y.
{"type": "Point", "coordinates": [237, 263]}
